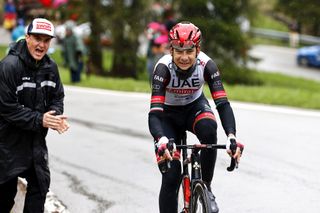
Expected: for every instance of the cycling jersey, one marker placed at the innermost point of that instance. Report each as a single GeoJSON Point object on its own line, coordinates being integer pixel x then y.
{"type": "Point", "coordinates": [170, 90]}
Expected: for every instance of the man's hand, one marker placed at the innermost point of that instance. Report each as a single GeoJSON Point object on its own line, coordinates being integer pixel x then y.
{"type": "Point", "coordinates": [162, 148]}
{"type": "Point", "coordinates": [234, 148]}
{"type": "Point", "coordinates": [55, 122]}
{"type": "Point", "coordinates": [64, 126]}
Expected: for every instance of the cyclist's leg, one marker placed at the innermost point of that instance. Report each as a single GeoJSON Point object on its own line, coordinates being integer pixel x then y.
{"type": "Point", "coordinates": [203, 124]}
{"type": "Point", "coordinates": [169, 186]}
{"type": "Point", "coordinates": [168, 203]}
{"type": "Point", "coordinates": [8, 191]}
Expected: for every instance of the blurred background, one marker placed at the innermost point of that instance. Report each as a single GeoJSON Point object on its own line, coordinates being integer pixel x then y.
{"type": "Point", "coordinates": [119, 35]}
{"type": "Point", "coordinates": [268, 53]}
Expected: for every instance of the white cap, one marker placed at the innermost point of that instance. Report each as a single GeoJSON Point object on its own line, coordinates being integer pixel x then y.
{"type": "Point", "coordinates": [41, 26]}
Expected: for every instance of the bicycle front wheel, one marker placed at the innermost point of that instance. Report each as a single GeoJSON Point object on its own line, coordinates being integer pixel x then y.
{"type": "Point", "coordinates": [200, 199]}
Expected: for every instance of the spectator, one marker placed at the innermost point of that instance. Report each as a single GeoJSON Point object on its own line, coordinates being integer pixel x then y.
{"type": "Point", "coordinates": [10, 15]}
{"type": "Point", "coordinates": [159, 49]}
{"type": "Point", "coordinates": [73, 52]}
{"type": "Point", "coordinates": [169, 19]}
{"type": "Point", "coordinates": [18, 31]}
{"type": "Point", "coordinates": [153, 31]}
{"type": "Point", "coordinates": [31, 103]}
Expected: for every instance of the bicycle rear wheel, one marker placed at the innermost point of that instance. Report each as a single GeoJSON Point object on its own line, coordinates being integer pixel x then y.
{"type": "Point", "coordinates": [200, 199]}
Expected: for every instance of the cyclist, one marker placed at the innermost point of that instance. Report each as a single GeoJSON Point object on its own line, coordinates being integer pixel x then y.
{"type": "Point", "coordinates": [178, 104]}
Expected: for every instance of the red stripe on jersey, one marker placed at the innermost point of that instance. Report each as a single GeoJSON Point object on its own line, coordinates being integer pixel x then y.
{"type": "Point", "coordinates": [218, 94]}
{"type": "Point", "coordinates": [204, 115]}
{"type": "Point", "coordinates": [157, 99]}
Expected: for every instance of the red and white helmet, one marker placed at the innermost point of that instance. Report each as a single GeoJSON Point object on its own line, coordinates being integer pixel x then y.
{"type": "Point", "coordinates": [184, 35]}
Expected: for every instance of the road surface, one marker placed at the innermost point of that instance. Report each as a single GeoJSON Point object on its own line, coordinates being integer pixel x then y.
{"type": "Point", "coordinates": [281, 60]}
{"type": "Point", "coordinates": [106, 163]}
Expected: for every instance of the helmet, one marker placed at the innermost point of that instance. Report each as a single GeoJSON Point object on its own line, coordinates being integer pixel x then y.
{"type": "Point", "coordinates": [184, 35]}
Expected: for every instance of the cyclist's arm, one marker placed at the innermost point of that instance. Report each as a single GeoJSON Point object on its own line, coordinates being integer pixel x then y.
{"type": "Point", "coordinates": [213, 78]}
{"type": "Point", "coordinates": [160, 79]}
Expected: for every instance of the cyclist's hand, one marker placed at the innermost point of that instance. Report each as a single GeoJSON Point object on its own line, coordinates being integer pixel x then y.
{"type": "Point", "coordinates": [163, 146]}
{"type": "Point", "coordinates": [234, 148]}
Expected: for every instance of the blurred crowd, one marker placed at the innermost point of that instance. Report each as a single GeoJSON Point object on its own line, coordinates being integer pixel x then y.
{"type": "Point", "coordinates": [156, 33]}
{"type": "Point", "coordinates": [17, 15]}
{"type": "Point", "coordinates": [73, 37]}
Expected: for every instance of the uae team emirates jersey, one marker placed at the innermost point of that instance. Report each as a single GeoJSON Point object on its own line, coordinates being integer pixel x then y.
{"type": "Point", "coordinates": [168, 89]}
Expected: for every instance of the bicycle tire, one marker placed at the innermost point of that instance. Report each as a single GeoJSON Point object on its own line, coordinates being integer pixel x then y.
{"type": "Point", "coordinates": [200, 199]}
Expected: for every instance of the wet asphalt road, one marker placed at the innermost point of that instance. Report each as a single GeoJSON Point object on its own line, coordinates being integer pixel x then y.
{"type": "Point", "coordinates": [105, 163]}
{"type": "Point", "coordinates": [281, 60]}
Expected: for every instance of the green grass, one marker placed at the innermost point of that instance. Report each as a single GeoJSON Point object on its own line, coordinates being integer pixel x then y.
{"type": "Point", "coordinates": [278, 89]}
{"type": "Point", "coordinates": [110, 83]}
{"type": "Point", "coordinates": [267, 22]}
{"type": "Point", "coordinates": [263, 19]}
{"type": "Point", "coordinates": [2, 51]}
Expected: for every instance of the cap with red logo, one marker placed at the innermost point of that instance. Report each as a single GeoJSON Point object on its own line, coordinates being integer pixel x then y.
{"type": "Point", "coordinates": [41, 26]}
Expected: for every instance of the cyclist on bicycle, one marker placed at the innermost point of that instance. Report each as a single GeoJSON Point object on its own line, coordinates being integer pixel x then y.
{"type": "Point", "coordinates": [178, 104]}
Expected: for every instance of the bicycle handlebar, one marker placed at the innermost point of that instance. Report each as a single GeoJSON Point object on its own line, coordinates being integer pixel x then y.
{"type": "Point", "coordinates": [202, 146]}
{"type": "Point", "coordinates": [233, 163]}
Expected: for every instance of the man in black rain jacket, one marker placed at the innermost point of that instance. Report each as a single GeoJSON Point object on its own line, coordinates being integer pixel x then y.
{"type": "Point", "coordinates": [31, 101]}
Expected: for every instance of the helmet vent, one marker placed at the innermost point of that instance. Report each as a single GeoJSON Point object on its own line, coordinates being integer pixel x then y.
{"type": "Point", "coordinates": [177, 33]}
{"type": "Point", "coordinates": [190, 34]}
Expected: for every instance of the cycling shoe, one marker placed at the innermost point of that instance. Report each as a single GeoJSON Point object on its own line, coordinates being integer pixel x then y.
{"type": "Point", "coordinates": [213, 204]}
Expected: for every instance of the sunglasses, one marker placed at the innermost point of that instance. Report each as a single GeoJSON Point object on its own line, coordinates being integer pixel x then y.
{"type": "Point", "coordinates": [177, 44]}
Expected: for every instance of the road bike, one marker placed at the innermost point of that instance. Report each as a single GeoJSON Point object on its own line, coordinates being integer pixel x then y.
{"type": "Point", "coordinates": [193, 194]}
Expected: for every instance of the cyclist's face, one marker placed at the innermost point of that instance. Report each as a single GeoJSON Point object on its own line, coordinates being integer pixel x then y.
{"type": "Point", "coordinates": [38, 45]}
{"type": "Point", "coordinates": [184, 59]}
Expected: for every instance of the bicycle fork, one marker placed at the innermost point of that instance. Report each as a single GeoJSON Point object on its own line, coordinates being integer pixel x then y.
{"type": "Point", "coordinates": [186, 180]}
{"type": "Point", "coordinates": [186, 192]}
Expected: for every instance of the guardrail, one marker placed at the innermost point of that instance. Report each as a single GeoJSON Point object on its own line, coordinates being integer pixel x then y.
{"type": "Point", "coordinates": [279, 35]}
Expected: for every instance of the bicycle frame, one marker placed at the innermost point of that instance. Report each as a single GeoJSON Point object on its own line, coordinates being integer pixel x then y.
{"type": "Point", "coordinates": [188, 183]}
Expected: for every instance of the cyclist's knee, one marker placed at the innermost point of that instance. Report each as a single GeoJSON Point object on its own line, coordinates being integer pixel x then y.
{"type": "Point", "coordinates": [172, 176]}
{"type": "Point", "coordinates": [206, 130]}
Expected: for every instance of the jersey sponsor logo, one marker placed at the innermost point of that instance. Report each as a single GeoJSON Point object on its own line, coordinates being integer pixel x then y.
{"type": "Point", "coordinates": [191, 82]}
{"type": "Point", "coordinates": [214, 75]}
{"type": "Point", "coordinates": [219, 94]}
{"type": "Point", "coordinates": [158, 78]}
{"type": "Point", "coordinates": [182, 91]}
{"type": "Point", "coordinates": [217, 84]}
{"type": "Point", "coordinates": [155, 86]}
{"type": "Point", "coordinates": [157, 99]}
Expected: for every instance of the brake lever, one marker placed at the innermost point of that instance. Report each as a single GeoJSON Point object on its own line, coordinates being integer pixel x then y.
{"type": "Point", "coordinates": [233, 163]}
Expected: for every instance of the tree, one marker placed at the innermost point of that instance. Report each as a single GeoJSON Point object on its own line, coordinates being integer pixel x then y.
{"type": "Point", "coordinates": [88, 11]}
{"type": "Point", "coordinates": [220, 24]}
{"type": "Point", "coordinates": [306, 13]}
{"type": "Point", "coordinates": [95, 51]}
{"type": "Point", "coordinates": [125, 19]}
